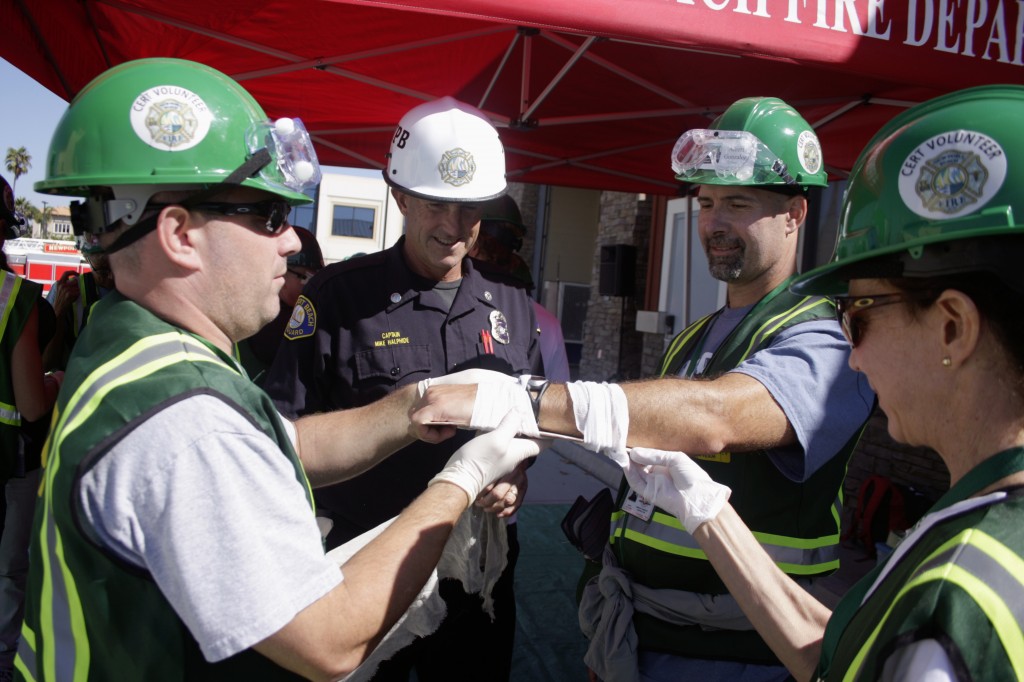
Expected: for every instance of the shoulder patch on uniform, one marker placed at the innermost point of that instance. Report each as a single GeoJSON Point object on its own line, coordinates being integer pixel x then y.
{"type": "Point", "coordinates": [303, 320]}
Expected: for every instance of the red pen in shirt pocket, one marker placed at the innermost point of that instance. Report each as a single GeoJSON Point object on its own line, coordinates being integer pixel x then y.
{"type": "Point", "coordinates": [485, 338]}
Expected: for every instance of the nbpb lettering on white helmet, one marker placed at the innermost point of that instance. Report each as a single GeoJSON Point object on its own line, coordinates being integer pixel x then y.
{"type": "Point", "coordinates": [446, 150]}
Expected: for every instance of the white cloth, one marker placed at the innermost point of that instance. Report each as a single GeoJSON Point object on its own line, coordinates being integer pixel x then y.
{"type": "Point", "coordinates": [601, 412]}
{"type": "Point", "coordinates": [475, 555]}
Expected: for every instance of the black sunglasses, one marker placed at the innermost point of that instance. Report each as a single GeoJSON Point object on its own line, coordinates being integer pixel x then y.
{"type": "Point", "coordinates": [275, 212]}
{"type": "Point", "coordinates": [849, 308]}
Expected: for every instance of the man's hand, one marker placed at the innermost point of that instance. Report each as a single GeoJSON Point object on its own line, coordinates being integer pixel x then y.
{"type": "Point", "coordinates": [67, 292]}
{"type": "Point", "coordinates": [506, 495]}
{"type": "Point", "coordinates": [442, 404]}
{"type": "Point", "coordinates": [677, 484]}
{"type": "Point", "coordinates": [487, 457]}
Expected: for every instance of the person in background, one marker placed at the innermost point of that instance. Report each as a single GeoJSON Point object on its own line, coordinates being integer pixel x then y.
{"type": "Point", "coordinates": [501, 237]}
{"type": "Point", "coordinates": [367, 327]}
{"type": "Point", "coordinates": [258, 351]}
{"type": "Point", "coordinates": [928, 288]}
{"type": "Point", "coordinates": [175, 535]}
{"type": "Point", "coordinates": [760, 393]}
{"type": "Point", "coordinates": [73, 296]}
{"type": "Point", "coordinates": [26, 397]}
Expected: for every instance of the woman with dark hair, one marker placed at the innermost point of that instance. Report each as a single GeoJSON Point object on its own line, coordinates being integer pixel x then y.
{"type": "Point", "coordinates": [929, 289]}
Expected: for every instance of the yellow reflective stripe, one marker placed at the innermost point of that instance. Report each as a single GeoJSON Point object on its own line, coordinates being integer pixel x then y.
{"type": "Point", "coordinates": [8, 292]}
{"type": "Point", "coordinates": [768, 541]}
{"type": "Point", "coordinates": [774, 323]}
{"type": "Point", "coordinates": [679, 342]}
{"type": "Point", "coordinates": [91, 395]}
{"type": "Point", "coordinates": [988, 600]}
{"type": "Point", "coordinates": [25, 661]}
{"type": "Point", "coordinates": [9, 415]}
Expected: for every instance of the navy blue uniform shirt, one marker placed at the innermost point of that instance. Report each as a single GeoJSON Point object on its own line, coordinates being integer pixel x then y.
{"type": "Point", "coordinates": [367, 326]}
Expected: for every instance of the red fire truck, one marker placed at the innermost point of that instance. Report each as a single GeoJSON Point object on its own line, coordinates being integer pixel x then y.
{"type": "Point", "coordinates": [44, 260]}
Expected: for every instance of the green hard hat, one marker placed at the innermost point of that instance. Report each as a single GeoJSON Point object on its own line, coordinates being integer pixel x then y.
{"type": "Point", "coordinates": [930, 184]}
{"type": "Point", "coordinates": [155, 124]}
{"type": "Point", "coordinates": [758, 141]}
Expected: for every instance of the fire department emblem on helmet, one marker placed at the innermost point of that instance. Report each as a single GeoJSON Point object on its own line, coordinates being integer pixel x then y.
{"type": "Point", "coordinates": [808, 150]}
{"type": "Point", "coordinates": [952, 173]}
{"type": "Point", "coordinates": [457, 167]}
{"type": "Point", "coordinates": [170, 118]}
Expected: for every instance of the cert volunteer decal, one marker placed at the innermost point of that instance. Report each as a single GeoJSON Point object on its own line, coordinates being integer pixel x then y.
{"type": "Point", "coordinates": [303, 320]}
{"type": "Point", "coordinates": [952, 173]}
{"type": "Point", "coordinates": [170, 118]}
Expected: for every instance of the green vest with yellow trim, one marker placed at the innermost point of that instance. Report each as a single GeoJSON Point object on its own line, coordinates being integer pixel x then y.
{"type": "Point", "coordinates": [90, 615]}
{"type": "Point", "coordinates": [18, 297]}
{"type": "Point", "coordinates": [796, 523]}
{"type": "Point", "coordinates": [959, 583]}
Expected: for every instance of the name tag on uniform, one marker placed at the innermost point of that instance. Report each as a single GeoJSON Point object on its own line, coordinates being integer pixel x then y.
{"type": "Point", "coordinates": [638, 506]}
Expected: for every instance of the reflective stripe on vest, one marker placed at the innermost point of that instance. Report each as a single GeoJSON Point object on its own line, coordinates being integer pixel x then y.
{"type": "Point", "coordinates": [61, 617]}
{"type": "Point", "coordinates": [999, 593]}
{"type": "Point", "coordinates": [8, 295]}
{"type": "Point", "coordinates": [26, 660]}
{"type": "Point", "coordinates": [796, 556]}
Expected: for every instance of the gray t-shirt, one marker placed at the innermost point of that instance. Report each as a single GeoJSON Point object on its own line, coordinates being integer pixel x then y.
{"type": "Point", "coordinates": [210, 507]}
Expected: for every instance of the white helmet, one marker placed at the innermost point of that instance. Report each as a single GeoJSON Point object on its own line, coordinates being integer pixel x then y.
{"type": "Point", "coordinates": [446, 150]}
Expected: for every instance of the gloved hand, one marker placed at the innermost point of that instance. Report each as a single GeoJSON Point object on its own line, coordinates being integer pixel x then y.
{"type": "Point", "coordinates": [487, 457]}
{"type": "Point", "coordinates": [674, 482]}
{"type": "Point", "coordinates": [466, 376]}
{"type": "Point", "coordinates": [496, 400]}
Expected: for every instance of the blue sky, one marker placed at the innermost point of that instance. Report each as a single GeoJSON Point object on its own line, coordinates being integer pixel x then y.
{"type": "Point", "coordinates": [27, 119]}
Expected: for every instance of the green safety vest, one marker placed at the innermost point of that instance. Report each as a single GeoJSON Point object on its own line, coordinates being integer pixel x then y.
{"type": "Point", "coordinates": [959, 583]}
{"type": "Point", "coordinates": [18, 297]}
{"type": "Point", "coordinates": [88, 294]}
{"type": "Point", "coordinates": [88, 614]}
{"type": "Point", "coordinates": [796, 523]}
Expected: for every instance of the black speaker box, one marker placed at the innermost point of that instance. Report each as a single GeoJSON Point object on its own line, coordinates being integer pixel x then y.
{"type": "Point", "coordinates": [618, 270]}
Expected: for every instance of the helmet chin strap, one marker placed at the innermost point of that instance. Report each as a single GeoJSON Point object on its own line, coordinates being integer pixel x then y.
{"type": "Point", "coordinates": [253, 165]}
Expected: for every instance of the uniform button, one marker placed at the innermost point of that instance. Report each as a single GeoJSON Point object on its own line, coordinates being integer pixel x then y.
{"type": "Point", "coordinates": [395, 371]}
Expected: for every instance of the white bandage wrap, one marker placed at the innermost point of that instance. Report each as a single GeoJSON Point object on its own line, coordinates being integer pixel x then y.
{"type": "Point", "coordinates": [495, 400]}
{"type": "Point", "coordinates": [602, 416]}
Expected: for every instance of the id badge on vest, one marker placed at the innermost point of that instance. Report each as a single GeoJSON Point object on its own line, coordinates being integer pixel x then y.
{"type": "Point", "coordinates": [638, 506]}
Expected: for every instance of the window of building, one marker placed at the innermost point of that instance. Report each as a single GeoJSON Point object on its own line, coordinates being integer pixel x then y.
{"type": "Point", "coordinates": [303, 216]}
{"type": "Point", "coordinates": [353, 221]}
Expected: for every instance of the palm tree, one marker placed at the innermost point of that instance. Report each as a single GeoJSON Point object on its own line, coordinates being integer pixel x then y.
{"type": "Point", "coordinates": [18, 161]}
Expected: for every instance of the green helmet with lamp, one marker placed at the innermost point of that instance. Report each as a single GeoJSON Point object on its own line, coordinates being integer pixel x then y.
{"type": "Point", "coordinates": [155, 125]}
{"type": "Point", "coordinates": [936, 192]}
{"type": "Point", "coordinates": [757, 141]}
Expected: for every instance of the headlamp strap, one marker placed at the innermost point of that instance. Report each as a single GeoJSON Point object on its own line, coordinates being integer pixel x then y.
{"type": "Point", "coordinates": [251, 167]}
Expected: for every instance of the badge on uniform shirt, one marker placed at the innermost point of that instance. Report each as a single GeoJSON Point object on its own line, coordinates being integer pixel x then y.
{"type": "Point", "coordinates": [303, 320]}
{"type": "Point", "coordinates": [638, 506]}
{"type": "Point", "coordinates": [499, 327]}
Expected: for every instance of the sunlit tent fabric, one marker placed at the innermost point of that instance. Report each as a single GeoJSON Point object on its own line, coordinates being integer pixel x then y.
{"type": "Point", "coordinates": [586, 93]}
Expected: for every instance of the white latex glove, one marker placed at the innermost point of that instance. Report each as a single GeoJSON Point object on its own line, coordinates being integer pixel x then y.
{"type": "Point", "coordinates": [495, 400]}
{"type": "Point", "coordinates": [674, 482]}
{"type": "Point", "coordinates": [466, 376]}
{"type": "Point", "coordinates": [487, 457]}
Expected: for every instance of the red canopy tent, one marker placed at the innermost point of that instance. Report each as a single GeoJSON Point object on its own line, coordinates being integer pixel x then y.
{"type": "Point", "coordinates": [587, 93]}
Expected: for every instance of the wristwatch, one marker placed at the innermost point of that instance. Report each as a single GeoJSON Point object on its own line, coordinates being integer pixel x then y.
{"type": "Point", "coordinates": [535, 387]}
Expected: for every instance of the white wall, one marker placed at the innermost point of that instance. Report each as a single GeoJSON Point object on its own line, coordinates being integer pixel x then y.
{"type": "Point", "coordinates": [361, 190]}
